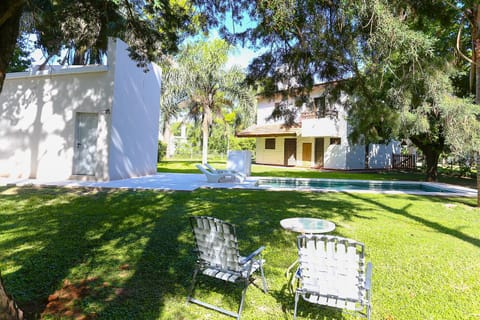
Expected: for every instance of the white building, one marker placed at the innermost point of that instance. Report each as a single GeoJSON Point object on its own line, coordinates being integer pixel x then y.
{"type": "Point", "coordinates": [319, 139]}
{"type": "Point", "coordinates": [81, 122]}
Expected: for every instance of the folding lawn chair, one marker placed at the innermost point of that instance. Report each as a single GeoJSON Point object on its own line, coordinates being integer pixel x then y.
{"type": "Point", "coordinates": [218, 257]}
{"type": "Point", "coordinates": [332, 272]}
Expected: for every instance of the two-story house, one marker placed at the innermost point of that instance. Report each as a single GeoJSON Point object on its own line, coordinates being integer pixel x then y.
{"type": "Point", "coordinates": [318, 139]}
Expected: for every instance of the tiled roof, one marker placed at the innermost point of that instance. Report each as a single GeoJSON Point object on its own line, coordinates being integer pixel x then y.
{"type": "Point", "coordinates": [269, 130]}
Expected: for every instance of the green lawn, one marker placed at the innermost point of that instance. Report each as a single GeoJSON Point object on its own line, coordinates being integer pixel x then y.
{"type": "Point", "coordinates": [188, 166]}
{"type": "Point", "coordinates": [128, 255]}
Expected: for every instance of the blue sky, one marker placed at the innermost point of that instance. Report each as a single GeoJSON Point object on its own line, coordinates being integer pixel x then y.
{"type": "Point", "coordinates": [239, 56]}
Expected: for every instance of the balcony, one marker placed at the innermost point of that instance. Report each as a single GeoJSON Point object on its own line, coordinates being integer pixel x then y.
{"type": "Point", "coordinates": [328, 126]}
{"type": "Point", "coordinates": [306, 115]}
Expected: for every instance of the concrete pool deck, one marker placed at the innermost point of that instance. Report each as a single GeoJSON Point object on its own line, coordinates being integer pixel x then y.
{"type": "Point", "coordinates": [192, 181]}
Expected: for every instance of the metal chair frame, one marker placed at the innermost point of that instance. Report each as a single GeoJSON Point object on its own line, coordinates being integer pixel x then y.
{"type": "Point", "coordinates": [332, 272]}
{"type": "Point", "coordinates": [218, 257]}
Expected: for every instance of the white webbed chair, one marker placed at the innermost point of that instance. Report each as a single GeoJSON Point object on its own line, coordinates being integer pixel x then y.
{"type": "Point", "coordinates": [238, 175]}
{"type": "Point", "coordinates": [332, 272]}
{"type": "Point", "coordinates": [216, 177]}
{"type": "Point", "coordinates": [218, 257]}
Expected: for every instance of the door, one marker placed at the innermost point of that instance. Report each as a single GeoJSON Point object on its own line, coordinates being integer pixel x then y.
{"type": "Point", "coordinates": [290, 152]}
{"type": "Point", "coordinates": [319, 143]}
{"type": "Point", "coordinates": [85, 158]}
{"type": "Point", "coordinates": [307, 153]}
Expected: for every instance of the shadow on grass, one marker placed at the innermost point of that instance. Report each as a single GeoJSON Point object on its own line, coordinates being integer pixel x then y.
{"type": "Point", "coordinates": [304, 309]}
{"type": "Point", "coordinates": [125, 254]}
{"type": "Point", "coordinates": [430, 224]}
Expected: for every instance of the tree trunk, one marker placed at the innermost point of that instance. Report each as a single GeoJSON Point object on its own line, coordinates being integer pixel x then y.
{"type": "Point", "coordinates": [432, 164]}
{"type": "Point", "coordinates": [8, 308]}
{"type": "Point", "coordinates": [478, 179]}
{"type": "Point", "coordinates": [476, 54]}
{"type": "Point", "coordinates": [431, 150]}
{"type": "Point", "coordinates": [367, 156]}
{"type": "Point", "coordinates": [166, 138]}
{"type": "Point", "coordinates": [10, 13]}
{"type": "Point", "coordinates": [205, 126]}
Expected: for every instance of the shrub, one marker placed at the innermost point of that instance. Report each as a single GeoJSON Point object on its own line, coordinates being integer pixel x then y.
{"type": "Point", "coordinates": [162, 151]}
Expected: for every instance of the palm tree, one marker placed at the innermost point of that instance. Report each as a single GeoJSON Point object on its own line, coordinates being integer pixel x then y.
{"type": "Point", "coordinates": [209, 86]}
{"type": "Point", "coordinates": [173, 94]}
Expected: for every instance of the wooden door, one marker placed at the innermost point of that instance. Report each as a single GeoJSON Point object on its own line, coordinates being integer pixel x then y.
{"type": "Point", "coordinates": [290, 152]}
{"type": "Point", "coordinates": [307, 152]}
{"type": "Point", "coordinates": [319, 151]}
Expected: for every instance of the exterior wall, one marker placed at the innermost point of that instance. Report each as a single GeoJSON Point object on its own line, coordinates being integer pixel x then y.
{"type": "Point", "coordinates": [335, 157]}
{"type": "Point", "coordinates": [270, 156]}
{"type": "Point", "coordinates": [344, 156]}
{"type": "Point", "coordinates": [135, 117]}
{"type": "Point", "coordinates": [355, 157]}
{"type": "Point", "coordinates": [37, 120]}
{"type": "Point", "coordinates": [380, 155]}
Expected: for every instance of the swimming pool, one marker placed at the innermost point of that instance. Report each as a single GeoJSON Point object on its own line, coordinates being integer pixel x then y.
{"type": "Point", "coordinates": [363, 186]}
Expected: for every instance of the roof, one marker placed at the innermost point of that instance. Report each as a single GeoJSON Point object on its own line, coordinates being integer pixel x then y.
{"type": "Point", "coordinates": [57, 70]}
{"type": "Point", "coordinates": [268, 130]}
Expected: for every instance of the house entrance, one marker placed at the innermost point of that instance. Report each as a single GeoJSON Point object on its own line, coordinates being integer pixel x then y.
{"type": "Point", "coordinates": [85, 160]}
{"type": "Point", "coordinates": [307, 152]}
{"type": "Point", "coordinates": [290, 152]}
{"type": "Point", "coordinates": [319, 143]}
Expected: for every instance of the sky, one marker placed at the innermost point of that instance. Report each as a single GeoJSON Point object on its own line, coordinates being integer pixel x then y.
{"type": "Point", "coordinates": [239, 56]}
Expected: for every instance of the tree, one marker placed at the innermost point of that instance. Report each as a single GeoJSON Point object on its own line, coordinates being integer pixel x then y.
{"type": "Point", "coordinates": [209, 86]}
{"type": "Point", "coordinates": [8, 307]}
{"type": "Point", "coordinates": [21, 56]}
{"type": "Point", "coordinates": [150, 28]}
{"type": "Point", "coordinates": [173, 94]}
{"type": "Point", "coordinates": [391, 51]}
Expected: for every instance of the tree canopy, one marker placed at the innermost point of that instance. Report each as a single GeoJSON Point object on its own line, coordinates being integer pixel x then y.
{"type": "Point", "coordinates": [150, 28]}
{"type": "Point", "coordinates": [401, 59]}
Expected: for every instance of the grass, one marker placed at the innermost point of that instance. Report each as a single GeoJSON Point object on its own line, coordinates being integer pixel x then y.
{"type": "Point", "coordinates": [445, 176]}
{"type": "Point", "coordinates": [84, 254]}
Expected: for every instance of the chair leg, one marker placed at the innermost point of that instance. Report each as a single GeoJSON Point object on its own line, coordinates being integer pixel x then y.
{"type": "Point", "coordinates": [296, 303]}
{"type": "Point", "coordinates": [264, 281]}
{"type": "Point", "coordinates": [192, 288]}
{"type": "Point", "coordinates": [244, 291]}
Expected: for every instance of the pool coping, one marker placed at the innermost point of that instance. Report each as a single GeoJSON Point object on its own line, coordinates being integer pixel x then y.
{"type": "Point", "coordinates": [452, 190]}
{"type": "Point", "coordinates": [191, 182]}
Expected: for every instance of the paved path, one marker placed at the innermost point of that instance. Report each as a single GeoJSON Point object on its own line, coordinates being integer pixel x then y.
{"type": "Point", "coordinates": [160, 181]}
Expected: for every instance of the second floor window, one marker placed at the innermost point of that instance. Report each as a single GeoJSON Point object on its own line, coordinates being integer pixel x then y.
{"type": "Point", "coordinates": [320, 105]}
{"type": "Point", "coordinates": [335, 140]}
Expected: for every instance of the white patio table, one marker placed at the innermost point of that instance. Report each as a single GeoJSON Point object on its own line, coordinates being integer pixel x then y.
{"type": "Point", "coordinates": [307, 225]}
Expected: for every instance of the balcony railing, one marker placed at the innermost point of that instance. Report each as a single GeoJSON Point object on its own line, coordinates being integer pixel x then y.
{"type": "Point", "coordinates": [318, 115]}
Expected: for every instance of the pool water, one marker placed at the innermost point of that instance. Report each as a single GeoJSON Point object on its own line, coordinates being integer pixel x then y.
{"type": "Point", "coordinates": [340, 185]}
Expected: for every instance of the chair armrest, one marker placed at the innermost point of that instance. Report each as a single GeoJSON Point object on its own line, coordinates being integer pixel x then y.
{"type": "Point", "coordinates": [368, 277]}
{"type": "Point", "coordinates": [253, 254]}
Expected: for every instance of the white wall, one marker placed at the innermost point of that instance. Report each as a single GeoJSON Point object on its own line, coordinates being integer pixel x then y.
{"type": "Point", "coordinates": [37, 119]}
{"type": "Point", "coordinates": [335, 157]}
{"type": "Point", "coordinates": [355, 157]}
{"type": "Point", "coordinates": [135, 117]}
{"type": "Point", "coordinates": [380, 155]}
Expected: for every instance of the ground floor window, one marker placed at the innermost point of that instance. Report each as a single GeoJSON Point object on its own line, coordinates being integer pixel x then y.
{"type": "Point", "coordinates": [270, 143]}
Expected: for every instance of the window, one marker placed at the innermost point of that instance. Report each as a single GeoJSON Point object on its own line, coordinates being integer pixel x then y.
{"type": "Point", "coordinates": [270, 143]}
{"type": "Point", "coordinates": [335, 141]}
{"type": "Point", "coordinates": [320, 105]}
